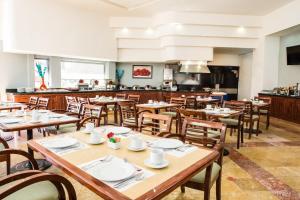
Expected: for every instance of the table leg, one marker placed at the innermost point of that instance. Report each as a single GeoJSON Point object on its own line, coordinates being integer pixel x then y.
{"type": "Point", "coordinates": [26, 165]}
{"type": "Point", "coordinates": [116, 114]}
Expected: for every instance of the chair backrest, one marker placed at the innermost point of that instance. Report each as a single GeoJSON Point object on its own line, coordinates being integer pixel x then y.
{"type": "Point", "coordinates": [121, 96]}
{"type": "Point", "coordinates": [43, 103]}
{"type": "Point", "coordinates": [128, 113]}
{"type": "Point", "coordinates": [154, 124]}
{"type": "Point", "coordinates": [92, 113]}
{"type": "Point", "coordinates": [234, 105]}
{"type": "Point", "coordinates": [177, 100]}
{"type": "Point", "coordinates": [134, 97]}
{"type": "Point", "coordinates": [83, 100]}
{"type": "Point", "coordinates": [33, 101]}
{"type": "Point", "coordinates": [197, 114]}
{"type": "Point", "coordinates": [70, 99]}
{"type": "Point", "coordinates": [74, 107]}
{"type": "Point", "coordinates": [202, 132]}
{"type": "Point", "coordinates": [191, 102]}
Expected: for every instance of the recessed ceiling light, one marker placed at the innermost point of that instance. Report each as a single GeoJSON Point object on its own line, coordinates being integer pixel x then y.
{"type": "Point", "coordinates": [124, 30]}
{"type": "Point", "coordinates": [149, 31]}
{"type": "Point", "coordinates": [241, 29]}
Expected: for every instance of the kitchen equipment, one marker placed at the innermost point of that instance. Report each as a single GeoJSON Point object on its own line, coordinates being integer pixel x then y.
{"type": "Point", "coordinates": [83, 86]}
{"type": "Point", "coordinates": [135, 87]}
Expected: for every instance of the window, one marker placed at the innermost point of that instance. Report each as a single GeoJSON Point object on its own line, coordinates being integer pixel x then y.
{"type": "Point", "coordinates": [73, 71]}
{"type": "Point", "coordinates": [44, 65]}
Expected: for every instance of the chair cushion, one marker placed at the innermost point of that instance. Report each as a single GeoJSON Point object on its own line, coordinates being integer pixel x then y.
{"type": "Point", "coordinates": [1, 147]}
{"type": "Point", "coordinates": [200, 177]}
{"type": "Point", "coordinates": [263, 111]}
{"type": "Point", "coordinates": [38, 191]}
{"type": "Point", "coordinates": [173, 114]}
{"type": "Point", "coordinates": [210, 134]}
{"type": "Point", "coordinates": [229, 121]}
{"type": "Point", "coordinates": [253, 116]}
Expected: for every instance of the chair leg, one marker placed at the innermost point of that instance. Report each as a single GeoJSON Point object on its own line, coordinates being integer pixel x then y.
{"type": "Point", "coordinates": [182, 189]}
{"type": "Point", "coordinates": [8, 165]}
{"type": "Point", "coordinates": [268, 121]}
{"type": "Point", "coordinates": [207, 193]}
{"type": "Point", "coordinates": [218, 188]}
{"type": "Point", "coordinates": [250, 129]}
{"type": "Point", "coordinates": [238, 138]}
{"type": "Point", "coordinates": [242, 134]}
{"type": "Point", "coordinates": [231, 131]}
{"type": "Point", "coordinates": [257, 127]}
{"type": "Point", "coordinates": [19, 133]}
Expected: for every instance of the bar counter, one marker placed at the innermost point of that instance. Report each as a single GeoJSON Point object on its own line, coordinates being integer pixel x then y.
{"type": "Point", "coordinates": [284, 107]}
{"type": "Point", "coordinates": [57, 99]}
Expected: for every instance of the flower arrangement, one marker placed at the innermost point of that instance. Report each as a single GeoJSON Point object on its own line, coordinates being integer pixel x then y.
{"type": "Point", "coordinates": [113, 141]}
{"type": "Point", "coordinates": [42, 72]}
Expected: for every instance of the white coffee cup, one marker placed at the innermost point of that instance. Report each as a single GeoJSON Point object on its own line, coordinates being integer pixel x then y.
{"type": "Point", "coordinates": [95, 137]}
{"type": "Point", "coordinates": [97, 96]}
{"type": "Point", "coordinates": [89, 127]}
{"type": "Point", "coordinates": [136, 142]}
{"type": "Point", "coordinates": [35, 115]}
{"type": "Point", "coordinates": [226, 109]}
{"type": "Point", "coordinates": [208, 106]}
{"type": "Point", "coordinates": [150, 101]}
{"type": "Point", "coordinates": [156, 156]}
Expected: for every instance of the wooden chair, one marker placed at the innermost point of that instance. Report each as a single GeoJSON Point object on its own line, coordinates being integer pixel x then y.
{"type": "Point", "coordinates": [155, 124]}
{"type": "Point", "coordinates": [6, 152]}
{"type": "Point", "coordinates": [220, 98]}
{"type": "Point", "coordinates": [70, 99]}
{"type": "Point", "coordinates": [43, 103]}
{"type": "Point", "coordinates": [266, 110]}
{"type": "Point", "coordinates": [94, 114]}
{"type": "Point", "coordinates": [181, 102]}
{"type": "Point", "coordinates": [250, 117]}
{"type": "Point", "coordinates": [83, 100]}
{"type": "Point", "coordinates": [129, 114]}
{"type": "Point", "coordinates": [32, 103]}
{"type": "Point", "coordinates": [183, 113]}
{"type": "Point", "coordinates": [135, 98]}
{"type": "Point", "coordinates": [236, 122]}
{"type": "Point", "coordinates": [121, 96]}
{"type": "Point", "coordinates": [191, 102]}
{"type": "Point", "coordinates": [213, 173]}
{"type": "Point", "coordinates": [36, 185]}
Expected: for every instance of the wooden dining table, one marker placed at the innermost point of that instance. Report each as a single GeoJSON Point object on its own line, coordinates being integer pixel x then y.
{"type": "Point", "coordinates": [28, 125]}
{"type": "Point", "coordinates": [10, 106]}
{"type": "Point", "coordinates": [161, 183]}
{"type": "Point", "coordinates": [156, 107]}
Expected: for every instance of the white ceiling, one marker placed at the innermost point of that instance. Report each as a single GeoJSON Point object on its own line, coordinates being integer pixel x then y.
{"type": "Point", "coordinates": [243, 7]}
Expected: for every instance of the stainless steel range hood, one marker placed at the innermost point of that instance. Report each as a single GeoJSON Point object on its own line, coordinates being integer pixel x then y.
{"type": "Point", "coordinates": [195, 67]}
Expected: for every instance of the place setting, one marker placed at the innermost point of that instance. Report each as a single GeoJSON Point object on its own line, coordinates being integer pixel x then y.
{"type": "Point", "coordinates": [172, 146]}
{"type": "Point", "coordinates": [116, 172]}
{"type": "Point", "coordinates": [63, 145]}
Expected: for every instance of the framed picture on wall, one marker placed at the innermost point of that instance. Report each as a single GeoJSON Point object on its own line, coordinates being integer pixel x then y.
{"type": "Point", "coordinates": [142, 71]}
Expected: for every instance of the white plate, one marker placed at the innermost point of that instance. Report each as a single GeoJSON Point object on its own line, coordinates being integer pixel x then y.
{"type": "Point", "coordinates": [164, 164]}
{"type": "Point", "coordinates": [144, 146]}
{"type": "Point", "coordinates": [42, 111]}
{"type": "Point", "coordinates": [11, 121]}
{"type": "Point", "coordinates": [35, 122]}
{"type": "Point", "coordinates": [167, 143]}
{"type": "Point", "coordinates": [56, 115]}
{"type": "Point", "coordinates": [3, 114]}
{"type": "Point", "coordinates": [100, 142]}
{"type": "Point", "coordinates": [115, 170]}
{"type": "Point", "coordinates": [62, 142]}
{"type": "Point", "coordinates": [117, 130]}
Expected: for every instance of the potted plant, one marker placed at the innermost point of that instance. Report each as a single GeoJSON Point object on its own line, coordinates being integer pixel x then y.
{"type": "Point", "coordinates": [42, 72]}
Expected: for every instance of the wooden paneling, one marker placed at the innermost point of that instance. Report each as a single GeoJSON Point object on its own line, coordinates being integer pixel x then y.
{"type": "Point", "coordinates": [57, 100]}
{"type": "Point", "coordinates": [287, 108]}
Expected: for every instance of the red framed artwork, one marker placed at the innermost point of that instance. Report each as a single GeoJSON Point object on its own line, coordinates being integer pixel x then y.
{"type": "Point", "coordinates": [142, 71]}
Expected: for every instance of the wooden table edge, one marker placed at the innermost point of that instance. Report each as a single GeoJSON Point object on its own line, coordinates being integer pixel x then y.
{"type": "Point", "coordinates": [107, 192]}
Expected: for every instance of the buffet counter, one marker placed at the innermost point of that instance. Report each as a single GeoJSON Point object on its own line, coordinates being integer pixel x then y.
{"type": "Point", "coordinates": [57, 99]}
{"type": "Point", "coordinates": [284, 107]}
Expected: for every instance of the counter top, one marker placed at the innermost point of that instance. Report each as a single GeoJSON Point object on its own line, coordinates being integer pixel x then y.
{"type": "Point", "coordinates": [278, 95]}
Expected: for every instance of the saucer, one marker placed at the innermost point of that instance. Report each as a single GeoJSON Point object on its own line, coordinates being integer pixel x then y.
{"type": "Point", "coordinates": [148, 163]}
{"type": "Point", "coordinates": [100, 142]}
{"type": "Point", "coordinates": [86, 131]}
{"type": "Point", "coordinates": [35, 121]}
{"type": "Point", "coordinates": [144, 146]}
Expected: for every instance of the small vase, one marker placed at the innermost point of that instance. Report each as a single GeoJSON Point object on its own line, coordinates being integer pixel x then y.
{"type": "Point", "coordinates": [43, 85]}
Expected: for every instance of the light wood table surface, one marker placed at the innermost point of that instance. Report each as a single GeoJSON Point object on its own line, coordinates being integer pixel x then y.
{"type": "Point", "coordinates": [163, 182]}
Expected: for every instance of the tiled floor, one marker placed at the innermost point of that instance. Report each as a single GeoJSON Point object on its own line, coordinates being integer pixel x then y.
{"type": "Point", "coordinates": [266, 167]}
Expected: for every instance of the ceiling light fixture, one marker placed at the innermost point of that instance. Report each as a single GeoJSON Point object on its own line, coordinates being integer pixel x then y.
{"type": "Point", "coordinates": [124, 30]}
{"type": "Point", "coordinates": [241, 29]}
